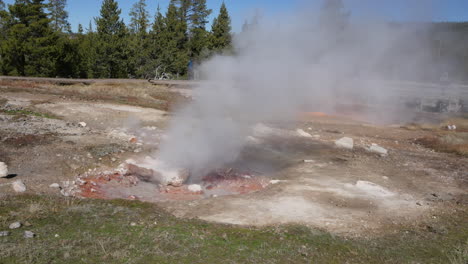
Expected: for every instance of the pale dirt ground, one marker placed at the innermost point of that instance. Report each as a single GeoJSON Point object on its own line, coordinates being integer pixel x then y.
{"type": "Point", "coordinates": [342, 191]}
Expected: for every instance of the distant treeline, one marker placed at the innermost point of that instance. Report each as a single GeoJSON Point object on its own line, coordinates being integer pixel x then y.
{"type": "Point", "coordinates": [36, 40]}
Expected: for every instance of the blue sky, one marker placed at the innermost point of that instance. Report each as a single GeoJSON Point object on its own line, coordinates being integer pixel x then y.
{"type": "Point", "coordinates": [83, 11]}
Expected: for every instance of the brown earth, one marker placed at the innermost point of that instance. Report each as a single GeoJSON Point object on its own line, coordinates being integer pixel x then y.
{"type": "Point", "coordinates": [343, 191]}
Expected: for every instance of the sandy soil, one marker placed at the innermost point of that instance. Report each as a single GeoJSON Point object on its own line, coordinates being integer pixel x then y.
{"type": "Point", "coordinates": [342, 191]}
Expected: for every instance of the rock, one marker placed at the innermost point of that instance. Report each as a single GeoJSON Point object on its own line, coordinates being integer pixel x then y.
{"type": "Point", "coordinates": [3, 170]}
{"type": "Point", "coordinates": [82, 124]}
{"type": "Point", "coordinates": [54, 185]}
{"type": "Point", "coordinates": [18, 186]}
{"type": "Point", "coordinates": [195, 188]}
{"type": "Point", "coordinates": [378, 149]}
{"type": "Point", "coordinates": [309, 161]}
{"type": "Point", "coordinates": [4, 233]}
{"type": "Point", "coordinates": [302, 133]}
{"type": "Point", "coordinates": [133, 224]}
{"type": "Point", "coordinates": [275, 181]}
{"type": "Point", "coordinates": [15, 225]}
{"type": "Point", "coordinates": [155, 171]}
{"type": "Point", "coordinates": [346, 143]}
{"type": "Point", "coordinates": [29, 234]}
{"type": "Point", "coordinates": [56, 235]}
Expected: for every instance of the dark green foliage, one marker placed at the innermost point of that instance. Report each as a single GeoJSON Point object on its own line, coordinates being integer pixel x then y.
{"type": "Point", "coordinates": [174, 53]}
{"type": "Point", "coordinates": [112, 44]}
{"type": "Point", "coordinates": [35, 43]}
{"type": "Point", "coordinates": [138, 40]}
{"type": "Point", "coordinates": [199, 37]}
{"type": "Point", "coordinates": [221, 31]}
{"type": "Point", "coordinates": [29, 48]}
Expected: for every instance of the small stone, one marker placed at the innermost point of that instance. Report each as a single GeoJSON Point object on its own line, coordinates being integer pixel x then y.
{"type": "Point", "coordinates": [345, 143]}
{"type": "Point", "coordinates": [378, 149]}
{"type": "Point", "coordinates": [133, 224]}
{"type": "Point", "coordinates": [275, 181]}
{"type": "Point", "coordinates": [56, 235]}
{"type": "Point", "coordinates": [54, 185]}
{"type": "Point", "coordinates": [82, 124]}
{"type": "Point", "coordinates": [3, 170]}
{"type": "Point", "coordinates": [15, 225]}
{"type": "Point", "coordinates": [18, 186]}
{"type": "Point", "coordinates": [309, 161]}
{"type": "Point", "coordinates": [29, 234]}
{"type": "Point", "coordinates": [419, 204]}
{"type": "Point", "coordinates": [113, 159]}
{"type": "Point", "coordinates": [4, 233]}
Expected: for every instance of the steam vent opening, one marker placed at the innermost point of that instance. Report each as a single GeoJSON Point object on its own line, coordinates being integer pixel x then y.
{"type": "Point", "coordinates": [148, 180]}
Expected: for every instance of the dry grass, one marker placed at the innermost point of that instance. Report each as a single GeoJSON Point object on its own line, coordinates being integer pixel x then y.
{"type": "Point", "coordinates": [132, 93]}
{"type": "Point", "coordinates": [449, 142]}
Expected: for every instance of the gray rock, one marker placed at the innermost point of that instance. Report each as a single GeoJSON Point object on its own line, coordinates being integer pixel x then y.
{"type": "Point", "coordinates": [15, 225]}
{"type": "Point", "coordinates": [345, 143]}
{"type": "Point", "coordinates": [4, 233]}
{"type": "Point", "coordinates": [29, 234]}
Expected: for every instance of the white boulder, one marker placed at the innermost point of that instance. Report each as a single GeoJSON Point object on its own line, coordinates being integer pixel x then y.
{"type": "Point", "coordinates": [345, 143]}
{"type": "Point", "coordinates": [3, 170]}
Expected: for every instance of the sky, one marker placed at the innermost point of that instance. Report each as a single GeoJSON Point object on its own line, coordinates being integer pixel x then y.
{"type": "Point", "coordinates": [83, 11]}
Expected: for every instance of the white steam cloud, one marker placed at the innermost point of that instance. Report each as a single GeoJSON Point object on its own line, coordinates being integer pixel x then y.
{"type": "Point", "coordinates": [283, 68]}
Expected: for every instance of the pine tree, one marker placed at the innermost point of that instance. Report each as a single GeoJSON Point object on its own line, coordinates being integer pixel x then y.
{"type": "Point", "coordinates": [59, 15]}
{"type": "Point", "coordinates": [30, 45]}
{"type": "Point", "coordinates": [80, 29]}
{"type": "Point", "coordinates": [174, 55]}
{"type": "Point", "coordinates": [184, 7]}
{"type": "Point", "coordinates": [111, 37]}
{"type": "Point", "coordinates": [90, 28]}
{"type": "Point", "coordinates": [139, 18]}
{"type": "Point", "coordinates": [221, 30]}
{"type": "Point", "coordinates": [199, 14]}
{"type": "Point", "coordinates": [4, 17]}
{"type": "Point", "coordinates": [155, 45]}
{"type": "Point", "coordinates": [138, 51]}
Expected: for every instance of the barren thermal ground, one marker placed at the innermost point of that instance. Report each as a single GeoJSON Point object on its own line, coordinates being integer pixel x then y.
{"type": "Point", "coordinates": [335, 173]}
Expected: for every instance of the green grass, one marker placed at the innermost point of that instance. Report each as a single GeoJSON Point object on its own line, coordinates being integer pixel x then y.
{"type": "Point", "coordinates": [93, 231]}
{"type": "Point", "coordinates": [28, 113]}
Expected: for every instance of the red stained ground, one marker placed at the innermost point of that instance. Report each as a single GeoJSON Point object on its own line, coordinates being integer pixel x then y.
{"type": "Point", "coordinates": [218, 183]}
